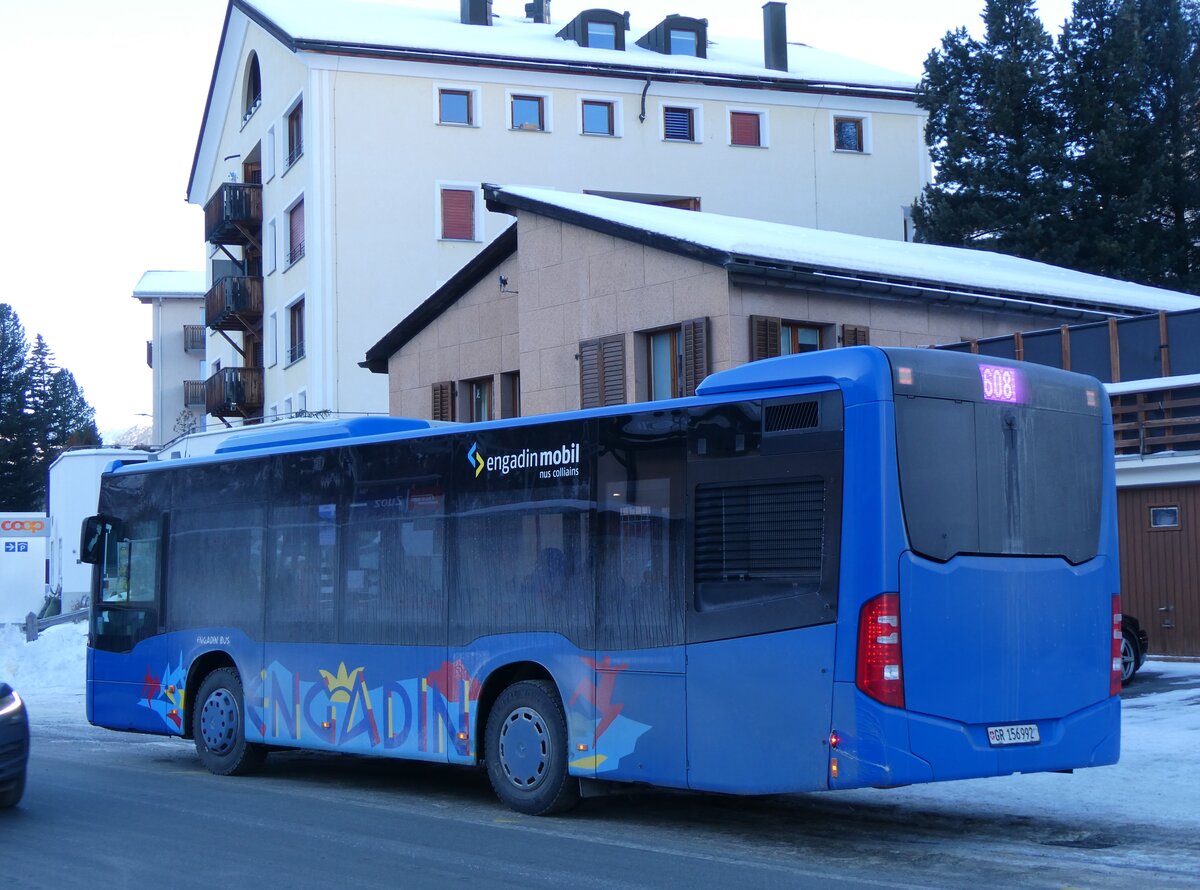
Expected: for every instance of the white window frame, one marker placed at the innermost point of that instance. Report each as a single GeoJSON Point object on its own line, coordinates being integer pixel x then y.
{"type": "Point", "coordinates": [476, 105]}
{"type": "Point", "coordinates": [697, 121]}
{"type": "Point", "coordinates": [271, 344]}
{"type": "Point", "coordinates": [287, 314]}
{"type": "Point", "coordinates": [547, 109]}
{"type": "Point", "coordinates": [302, 400]}
{"type": "Point", "coordinates": [291, 106]}
{"type": "Point", "coordinates": [268, 155]}
{"type": "Point", "coordinates": [764, 125]}
{"type": "Point", "coordinates": [270, 247]}
{"type": "Point", "coordinates": [618, 118]}
{"type": "Point", "coordinates": [867, 138]}
{"type": "Point", "coordinates": [287, 215]}
{"type": "Point", "coordinates": [476, 215]}
{"type": "Point", "coordinates": [273, 411]}
{"type": "Point", "coordinates": [287, 408]}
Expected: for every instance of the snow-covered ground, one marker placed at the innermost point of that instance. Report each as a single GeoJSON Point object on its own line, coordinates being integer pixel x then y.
{"type": "Point", "coordinates": [1157, 781]}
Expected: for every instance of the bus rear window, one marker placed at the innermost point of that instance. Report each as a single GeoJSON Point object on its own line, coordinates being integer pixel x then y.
{"type": "Point", "coordinates": [991, 476]}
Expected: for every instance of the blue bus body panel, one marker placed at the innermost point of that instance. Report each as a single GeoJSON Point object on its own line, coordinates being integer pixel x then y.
{"type": "Point", "coordinates": [1008, 640]}
{"type": "Point", "coordinates": [758, 712]}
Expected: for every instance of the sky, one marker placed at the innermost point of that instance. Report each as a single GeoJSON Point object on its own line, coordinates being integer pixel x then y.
{"type": "Point", "coordinates": [108, 98]}
{"type": "Point", "coordinates": [1158, 740]}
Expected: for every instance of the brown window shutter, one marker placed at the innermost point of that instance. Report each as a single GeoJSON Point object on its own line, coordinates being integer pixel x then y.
{"type": "Point", "coordinates": [744, 128]}
{"type": "Point", "coordinates": [764, 337]}
{"type": "Point", "coordinates": [602, 371]}
{"type": "Point", "coordinates": [695, 354]}
{"type": "Point", "coordinates": [443, 401]}
{"type": "Point", "coordinates": [854, 335]}
{"type": "Point", "coordinates": [296, 226]}
{"type": "Point", "coordinates": [458, 214]}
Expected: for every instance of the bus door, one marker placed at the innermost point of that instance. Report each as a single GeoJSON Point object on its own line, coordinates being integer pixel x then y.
{"type": "Point", "coordinates": [764, 507]}
{"type": "Point", "coordinates": [126, 655]}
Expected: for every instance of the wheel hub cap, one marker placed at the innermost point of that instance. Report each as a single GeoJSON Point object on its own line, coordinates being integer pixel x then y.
{"type": "Point", "coordinates": [219, 722]}
{"type": "Point", "coordinates": [525, 748]}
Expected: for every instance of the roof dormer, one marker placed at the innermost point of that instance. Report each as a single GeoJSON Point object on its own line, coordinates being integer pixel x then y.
{"type": "Point", "coordinates": [597, 28]}
{"type": "Point", "coordinates": [678, 35]}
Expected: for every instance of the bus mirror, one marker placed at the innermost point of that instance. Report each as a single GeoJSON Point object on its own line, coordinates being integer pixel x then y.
{"type": "Point", "coordinates": [91, 539]}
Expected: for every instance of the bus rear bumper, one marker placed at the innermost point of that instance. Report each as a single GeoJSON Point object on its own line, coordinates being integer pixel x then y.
{"type": "Point", "coordinates": [880, 746]}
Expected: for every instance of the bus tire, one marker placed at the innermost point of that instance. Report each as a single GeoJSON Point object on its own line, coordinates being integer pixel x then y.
{"type": "Point", "coordinates": [525, 747]}
{"type": "Point", "coordinates": [219, 726]}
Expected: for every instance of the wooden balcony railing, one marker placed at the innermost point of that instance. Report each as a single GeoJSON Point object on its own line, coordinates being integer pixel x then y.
{"type": "Point", "coordinates": [194, 394]}
{"type": "Point", "coordinates": [234, 392]}
{"type": "Point", "coordinates": [193, 338]}
{"type": "Point", "coordinates": [1156, 421]}
{"type": "Point", "coordinates": [234, 303]}
{"type": "Point", "coordinates": [234, 215]}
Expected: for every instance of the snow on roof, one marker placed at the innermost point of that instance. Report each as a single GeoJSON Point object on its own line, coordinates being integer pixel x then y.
{"type": "Point", "coordinates": [393, 24]}
{"type": "Point", "coordinates": [947, 267]}
{"type": "Point", "coordinates": [170, 284]}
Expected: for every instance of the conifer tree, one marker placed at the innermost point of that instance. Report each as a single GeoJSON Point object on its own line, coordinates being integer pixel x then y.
{"type": "Point", "coordinates": [995, 137]}
{"type": "Point", "coordinates": [19, 483]}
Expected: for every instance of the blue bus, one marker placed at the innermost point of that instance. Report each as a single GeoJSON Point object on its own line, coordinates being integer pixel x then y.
{"type": "Point", "coordinates": [858, 567]}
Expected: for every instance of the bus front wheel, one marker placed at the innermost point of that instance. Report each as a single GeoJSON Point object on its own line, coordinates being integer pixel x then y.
{"type": "Point", "coordinates": [525, 748]}
{"type": "Point", "coordinates": [219, 726]}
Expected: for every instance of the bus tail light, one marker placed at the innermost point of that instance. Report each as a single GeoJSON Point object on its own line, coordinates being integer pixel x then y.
{"type": "Point", "coordinates": [1114, 681]}
{"type": "Point", "coordinates": [878, 666]}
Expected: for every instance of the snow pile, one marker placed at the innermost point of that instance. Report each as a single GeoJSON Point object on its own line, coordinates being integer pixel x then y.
{"type": "Point", "coordinates": [49, 673]}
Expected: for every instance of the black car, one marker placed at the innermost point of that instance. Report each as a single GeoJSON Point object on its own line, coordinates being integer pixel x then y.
{"type": "Point", "coordinates": [1134, 642]}
{"type": "Point", "coordinates": [14, 746]}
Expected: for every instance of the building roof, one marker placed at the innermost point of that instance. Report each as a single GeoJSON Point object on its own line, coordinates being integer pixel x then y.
{"type": "Point", "coordinates": [157, 284]}
{"type": "Point", "coordinates": [390, 29]}
{"type": "Point", "coordinates": [375, 27]}
{"type": "Point", "coordinates": [752, 249]}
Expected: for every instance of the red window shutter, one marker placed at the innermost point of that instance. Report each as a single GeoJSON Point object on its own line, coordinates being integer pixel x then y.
{"type": "Point", "coordinates": [458, 214]}
{"type": "Point", "coordinates": [744, 128]}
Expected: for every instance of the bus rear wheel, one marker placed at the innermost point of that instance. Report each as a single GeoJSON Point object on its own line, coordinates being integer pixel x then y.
{"type": "Point", "coordinates": [219, 726]}
{"type": "Point", "coordinates": [525, 747]}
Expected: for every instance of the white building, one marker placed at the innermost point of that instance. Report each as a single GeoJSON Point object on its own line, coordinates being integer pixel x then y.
{"type": "Point", "coordinates": [343, 145]}
{"type": "Point", "coordinates": [176, 350]}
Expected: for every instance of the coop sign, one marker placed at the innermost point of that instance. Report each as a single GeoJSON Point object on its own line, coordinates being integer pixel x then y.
{"type": "Point", "coordinates": [23, 528]}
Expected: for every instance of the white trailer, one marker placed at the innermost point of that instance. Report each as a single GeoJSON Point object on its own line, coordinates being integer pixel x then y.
{"type": "Point", "coordinates": [73, 496]}
{"type": "Point", "coordinates": [22, 564]}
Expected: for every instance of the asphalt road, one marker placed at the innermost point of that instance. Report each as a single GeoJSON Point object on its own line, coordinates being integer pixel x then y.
{"type": "Point", "coordinates": [111, 810]}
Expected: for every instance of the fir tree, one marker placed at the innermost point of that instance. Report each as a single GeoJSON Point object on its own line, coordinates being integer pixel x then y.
{"type": "Point", "coordinates": [19, 480]}
{"type": "Point", "coordinates": [995, 136]}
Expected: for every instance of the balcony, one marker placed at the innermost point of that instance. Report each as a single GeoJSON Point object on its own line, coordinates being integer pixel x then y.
{"type": "Point", "coordinates": [193, 338]}
{"type": "Point", "coordinates": [234, 215]}
{"type": "Point", "coordinates": [1157, 420]}
{"type": "Point", "coordinates": [235, 303]}
{"type": "Point", "coordinates": [194, 395]}
{"type": "Point", "coordinates": [234, 392]}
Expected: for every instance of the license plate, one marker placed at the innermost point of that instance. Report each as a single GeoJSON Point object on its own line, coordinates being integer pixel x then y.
{"type": "Point", "coordinates": [1017, 734]}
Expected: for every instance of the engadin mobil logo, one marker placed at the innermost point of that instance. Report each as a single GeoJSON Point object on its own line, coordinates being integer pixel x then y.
{"type": "Point", "coordinates": [551, 463]}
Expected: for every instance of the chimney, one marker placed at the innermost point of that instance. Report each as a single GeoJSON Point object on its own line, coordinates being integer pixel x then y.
{"type": "Point", "coordinates": [475, 12]}
{"type": "Point", "coordinates": [539, 11]}
{"type": "Point", "coordinates": [774, 36]}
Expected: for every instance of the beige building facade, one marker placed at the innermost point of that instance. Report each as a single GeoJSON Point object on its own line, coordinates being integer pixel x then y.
{"type": "Point", "coordinates": [342, 148]}
{"type": "Point", "coordinates": [586, 301]}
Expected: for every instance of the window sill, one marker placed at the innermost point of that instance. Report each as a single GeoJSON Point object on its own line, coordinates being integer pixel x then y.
{"type": "Point", "coordinates": [293, 163]}
{"type": "Point", "coordinates": [602, 135]}
{"type": "Point", "coordinates": [249, 115]}
{"type": "Point", "coordinates": [459, 240]}
{"type": "Point", "coordinates": [458, 125]}
{"type": "Point", "coordinates": [850, 151]}
{"type": "Point", "coordinates": [682, 141]}
{"type": "Point", "coordinates": [745, 145]}
{"type": "Point", "coordinates": [288, 363]}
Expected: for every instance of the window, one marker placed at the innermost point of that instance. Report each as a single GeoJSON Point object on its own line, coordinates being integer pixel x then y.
{"type": "Point", "coordinates": [598, 118]}
{"type": "Point", "coordinates": [683, 42]}
{"type": "Point", "coordinates": [796, 338]}
{"type": "Point", "coordinates": [745, 128]}
{"type": "Point", "coordinates": [253, 88]}
{"type": "Point", "coordinates": [1164, 517]}
{"type": "Point", "coordinates": [296, 232]}
{"type": "Point", "coordinates": [676, 359]}
{"type": "Point", "coordinates": [679, 124]}
{"type": "Point", "coordinates": [528, 113]}
{"type": "Point", "coordinates": [271, 344]}
{"type": "Point", "coordinates": [601, 35]}
{"type": "Point", "coordinates": [296, 332]}
{"type": "Point", "coordinates": [479, 399]}
{"type": "Point", "coordinates": [269, 248]}
{"type": "Point", "coordinates": [302, 402]}
{"type": "Point", "coordinates": [287, 407]}
{"type": "Point", "coordinates": [268, 155]}
{"type": "Point", "coordinates": [295, 134]}
{"type": "Point", "coordinates": [454, 107]}
{"type": "Point", "coordinates": [848, 134]}
{"type": "Point", "coordinates": [458, 214]}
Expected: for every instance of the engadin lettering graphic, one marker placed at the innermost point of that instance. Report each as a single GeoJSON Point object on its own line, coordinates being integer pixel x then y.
{"type": "Point", "coordinates": [551, 463]}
